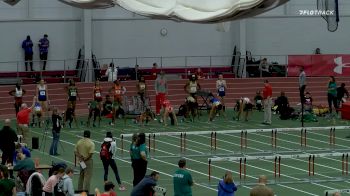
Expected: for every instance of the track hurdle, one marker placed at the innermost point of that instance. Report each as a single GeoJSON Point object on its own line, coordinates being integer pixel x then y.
{"type": "Point", "coordinates": [243, 160]}
{"type": "Point", "coordinates": [332, 138]}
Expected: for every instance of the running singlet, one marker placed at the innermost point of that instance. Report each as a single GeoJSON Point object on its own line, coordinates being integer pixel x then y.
{"type": "Point", "coordinates": [72, 93]}
{"type": "Point", "coordinates": [97, 94]}
{"type": "Point", "coordinates": [42, 93]}
{"type": "Point", "coordinates": [215, 101]}
{"type": "Point", "coordinates": [193, 87]}
{"type": "Point", "coordinates": [117, 91]}
{"type": "Point", "coordinates": [37, 107]}
{"type": "Point", "coordinates": [18, 93]}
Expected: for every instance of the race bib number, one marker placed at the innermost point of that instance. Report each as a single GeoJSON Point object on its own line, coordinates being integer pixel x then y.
{"type": "Point", "coordinates": [73, 94]}
{"type": "Point", "coordinates": [42, 93]}
{"type": "Point", "coordinates": [222, 89]}
{"type": "Point", "coordinates": [98, 94]}
{"type": "Point", "coordinates": [117, 92]}
{"type": "Point", "coordinates": [37, 108]}
{"type": "Point", "coordinates": [193, 89]}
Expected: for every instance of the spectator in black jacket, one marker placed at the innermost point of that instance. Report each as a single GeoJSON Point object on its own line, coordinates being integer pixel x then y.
{"type": "Point", "coordinates": [56, 129]}
{"type": "Point", "coordinates": [341, 92]}
{"type": "Point", "coordinates": [27, 46]}
{"type": "Point", "coordinates": [8, 137]}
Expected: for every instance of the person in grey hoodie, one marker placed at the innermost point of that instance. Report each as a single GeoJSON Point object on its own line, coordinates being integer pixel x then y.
{"type": "Point", "coordinates": [146, 186]}
{"type": "Point", "coordinates": [226, 185]}
{"type": "Point", "coordinates": [68, 188]}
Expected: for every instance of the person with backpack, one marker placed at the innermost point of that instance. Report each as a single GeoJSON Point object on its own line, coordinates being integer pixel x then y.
{"type": "Point", "coordinates": [50, 185]}
{"type": "Point", "coordinates": [108, 149]}
{"type": "Point", "coordinates": [67, 184]}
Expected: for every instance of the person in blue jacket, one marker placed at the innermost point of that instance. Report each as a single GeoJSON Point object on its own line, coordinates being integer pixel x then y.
{"type": "Point", "coordinates": [27, 46]}
{"type": "Point", "coordinates": [226, 186]}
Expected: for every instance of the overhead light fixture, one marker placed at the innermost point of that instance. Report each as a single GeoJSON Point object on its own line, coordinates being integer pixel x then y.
{"type": "Point", "coordinates": [90, 4]}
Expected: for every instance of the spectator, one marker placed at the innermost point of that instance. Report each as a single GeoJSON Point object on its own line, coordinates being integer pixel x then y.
{"type": "Point", "coordinates": [154, 70]}
{"type": "Point", "coordinates": [182, 180]}
{"type": "Point", "coordinates": [341, 92]}
{"type": "Point", "coordinates": [317, 51]}
{"type": "Point", "coordinates": [146, 185]}
{"type": "Point", "coordinates": [44, 49]}
{"type": "Point", "coordinates": [136, 73]}
{"type": "Point", "coordinates": [7, 186]}
{"type": "Point", "coordinates": [18, 93]}
{"type": "Point", "coordinates": [108, 149]}
{"type": "Point", "coordinates": [134, 155]}
{"type": "Point", "coordinates": [308, 102]}
{"type": "Point", "coordinates": [282, 103]}
{"type": "Point", "coordinates": [48, 188]}
{"type": "Point", "coordinates": [226, 186]}
{"type": "Point", "coordinates": [27, 46]}
{"type": "Point", "coordinates": [111, 72]}
{"type": "Point", "coordinates": [24, 163]}
{"type": "Point", "coordinates": [221, 88]}
{"type": "Point", "coordinates": [261, 189]}
{"type": "Point", "coordinates": [161, 90]}
{"type": "Point", "coordinates": [108, 190]}
{"type": "Point", "coordinates": [140, 158]}
{"type": "Point", "coordinates": [23, 122]}
{"type": "Point", "coordinates": [265, 68]}
{"type": "Point", "coordinates": [21, 149]}
{"type": "Point", "coordinates": [267, 95]}
{"type": "Point", "coordinates": [56, 129]}
{"type": "Point", "coordinates": [199, 73]}
{"type": "Point", "coordinates": [68, 187]}
{"type": "Point", "coordinates": [302, 84]}
{"type": "Point", "coordinates": [84, 149]}
{"type": "Point", "coordinates": [258, 101]}
{"type": "Point", "coordinates": [332, 94]}
{"type": "Point", "coordinates": [8, 137]}
{"type": "Point", "coordinates": [25, 167]}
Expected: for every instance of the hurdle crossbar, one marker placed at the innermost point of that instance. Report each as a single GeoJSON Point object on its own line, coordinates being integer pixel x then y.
{"type": "Point", "coordinates": [238, 131]}
{"type": "Point", "coordinates": [271, 157]}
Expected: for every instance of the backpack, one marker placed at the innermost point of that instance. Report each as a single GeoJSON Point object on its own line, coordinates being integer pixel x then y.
{"type": "Point", "coordinates": [58, 188]}
{"type": "Point", "coordinates": [104, 153]}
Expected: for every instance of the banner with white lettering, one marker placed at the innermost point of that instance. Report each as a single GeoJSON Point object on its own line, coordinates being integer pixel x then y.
{"type": "Point", "coordinates": [320, 65]}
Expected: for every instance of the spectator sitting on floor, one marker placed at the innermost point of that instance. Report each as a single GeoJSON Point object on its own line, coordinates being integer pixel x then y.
{"type": "Point", "coordinates": [308, 102]}
{"type": "Point", "coordinates": [25, 167]}
{"type": "Point", "coordinates": [282, 103]}
{"type": "Point", "coordinates": [108, 190]}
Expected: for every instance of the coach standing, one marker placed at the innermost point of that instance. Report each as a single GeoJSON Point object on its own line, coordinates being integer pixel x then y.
{"type": "Point", "coordinates": [23, 122]}
{"type": "Point", "coordinates": [44, 50]}
{"type": "Point", "coordinates": [267, 95]}
{"type": "Point", "coordinates": [182, 180]}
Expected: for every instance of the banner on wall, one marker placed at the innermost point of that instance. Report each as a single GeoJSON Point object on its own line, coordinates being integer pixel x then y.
{"type": "Point", "coordinates": [319, 65]}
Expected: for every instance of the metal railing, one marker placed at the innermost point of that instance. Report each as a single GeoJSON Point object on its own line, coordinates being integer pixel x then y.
{"type": "Point", "coordinates": [87, 68]}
